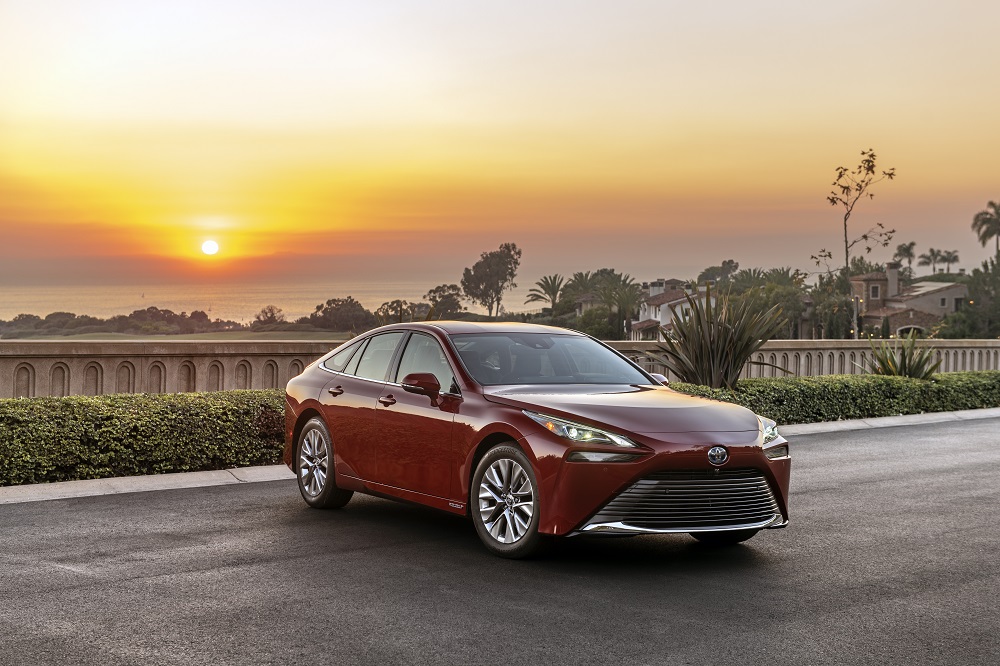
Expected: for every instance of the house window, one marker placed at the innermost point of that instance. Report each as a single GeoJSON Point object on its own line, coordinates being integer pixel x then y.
{"type": "Point", "coordinates": [874, 292]}
{"type": "Point", "coordinates": [944, 302]}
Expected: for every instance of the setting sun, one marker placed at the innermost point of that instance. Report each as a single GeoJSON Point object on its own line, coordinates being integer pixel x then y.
{"type": "Point", "coordinates": [210, 247]}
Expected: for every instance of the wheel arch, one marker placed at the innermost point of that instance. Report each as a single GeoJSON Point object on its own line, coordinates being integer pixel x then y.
{"type": "Point", "coordinates": [307, 414]}
{"type": "Point", "coordinates": [488, 442]}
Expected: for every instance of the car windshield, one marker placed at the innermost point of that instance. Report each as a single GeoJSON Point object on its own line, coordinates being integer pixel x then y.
{"type": "Point", "coordinates": [542, 358]}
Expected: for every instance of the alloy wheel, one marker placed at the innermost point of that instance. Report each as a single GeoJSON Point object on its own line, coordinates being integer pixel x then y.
{"type": "Point", "coordinates": [313, 463]}
{"type": "Point", "coordinates": [506, 501]}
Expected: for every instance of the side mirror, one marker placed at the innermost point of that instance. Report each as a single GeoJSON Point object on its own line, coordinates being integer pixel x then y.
{"type": "Point", "coordinates": [422, 383]}
{"type": "Point", "coordinates": [660, 378]}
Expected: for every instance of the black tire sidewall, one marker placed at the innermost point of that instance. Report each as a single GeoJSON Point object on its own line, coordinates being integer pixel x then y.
{"type": "Point", "coordinates": [331, 496]}
{"type": "Point", "coordinates": [527, 544]}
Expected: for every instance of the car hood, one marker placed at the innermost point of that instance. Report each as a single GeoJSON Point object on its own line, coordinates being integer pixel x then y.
{"type": "Point", "coordinates": [640, 409]}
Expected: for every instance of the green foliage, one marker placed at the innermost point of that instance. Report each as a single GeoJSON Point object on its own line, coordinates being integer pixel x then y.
{"type": "Point", "coordinates": [906, 360]}
{"type": "Point", "coordinates": [84, 437]}
{"type": "Point", "coordinates": [784, 287]}
{"type": "Point", "coordinates": [445, 300]}
{"type": "Point", "coordinates": [341, 314]}
{"type": "Point", "coordinates": [546, 290]}
{"type": "Point", "coordinates": [268, 316]}
{"type": "Point", "coordinates": [595, 322]}
{"type": "Point", "coordinates": [719, 273]}
{"type": "Point", "coordinates": [491, 276]}
{"type": "Point", "coordinates": [712, 344]}
{"type": "Point", "coordinates": [931, 258]}
{"type": "Point", "coordinates": [835, 397]}
{"type": "Point", "coordinates": [986, 224]}
{"type": "Point", "coordinates": [980, 316]}
{"type": "Point", "coordinates": [149, 321]}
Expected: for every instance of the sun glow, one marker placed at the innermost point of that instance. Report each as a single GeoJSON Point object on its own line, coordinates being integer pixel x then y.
{"type": "Point", "coordinates": [210, 247]}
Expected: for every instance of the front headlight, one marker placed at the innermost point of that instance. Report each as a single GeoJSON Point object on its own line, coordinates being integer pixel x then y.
{"type": "Point", "coordinates": [579, 433]}
{"type": "Point", "coordinates": [769, 429]}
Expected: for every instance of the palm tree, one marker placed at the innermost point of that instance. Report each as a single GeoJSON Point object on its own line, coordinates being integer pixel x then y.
{"type": "Point", "coordinates": [548, 289]}
{"type": "Point", "coordinates": [630, 296]}
{"type": "Point", "coordinates": [986, 224]}
{"type": "Point", "coordinates": [949, 257]}
{"type": "Point", "coordinates": [930, 258]}
{"type": "Point", "coordinates": [906, 251]}
{"type": "Point", "coordinates": [582, 282]}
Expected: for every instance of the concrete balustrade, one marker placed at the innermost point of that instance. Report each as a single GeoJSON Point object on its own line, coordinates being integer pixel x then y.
{"type": "Point", "coordinates": [31, 368]}
{"type": "Point", "coordinates": [811, 358]}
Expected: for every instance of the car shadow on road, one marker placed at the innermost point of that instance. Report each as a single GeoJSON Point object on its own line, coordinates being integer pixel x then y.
{"type": "Point", "coordinates": [402, 530]}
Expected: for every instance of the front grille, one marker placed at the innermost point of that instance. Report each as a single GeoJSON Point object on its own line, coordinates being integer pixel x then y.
{"type": "Point", "coordinates": [693, 500]}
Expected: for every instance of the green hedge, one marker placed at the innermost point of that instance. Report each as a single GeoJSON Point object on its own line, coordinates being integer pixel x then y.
{"type": "Point", "coordinates": [83, 437]}
{"type": "Point", "coordinates": [835, 397]}
{"type": "Point", "coordinates": [61, 439]}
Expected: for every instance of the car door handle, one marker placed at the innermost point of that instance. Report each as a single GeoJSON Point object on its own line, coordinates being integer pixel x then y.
{"type": "Point", "coordinates": [335, 391]}
{"type": "Point", "coordinates": [387, 400]}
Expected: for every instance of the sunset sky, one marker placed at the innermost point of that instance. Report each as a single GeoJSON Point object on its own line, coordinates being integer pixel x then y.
{"type": "Point", "coordinates": [396, 139]}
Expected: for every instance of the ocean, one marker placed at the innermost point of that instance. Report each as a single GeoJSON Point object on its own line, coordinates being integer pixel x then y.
{"type": "Point", "coordinates": [233, 302]}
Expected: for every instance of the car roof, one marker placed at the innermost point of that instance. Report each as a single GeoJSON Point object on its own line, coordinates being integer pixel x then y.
{"type": "Point", "coordinates": [460, 327]}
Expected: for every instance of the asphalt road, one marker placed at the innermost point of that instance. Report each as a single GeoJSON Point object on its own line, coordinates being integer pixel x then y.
{"type": "Point", "coordinates": [891, 558]}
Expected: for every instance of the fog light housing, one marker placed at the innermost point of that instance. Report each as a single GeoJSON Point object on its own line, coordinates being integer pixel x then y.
{"type": "Point", "coordinates": [776, 452]}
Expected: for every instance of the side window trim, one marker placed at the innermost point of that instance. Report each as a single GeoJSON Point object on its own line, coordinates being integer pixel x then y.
{"type": "Point", "coordinates": [356, 360]}
{"type": "Point", "coordinates": [394, 372]}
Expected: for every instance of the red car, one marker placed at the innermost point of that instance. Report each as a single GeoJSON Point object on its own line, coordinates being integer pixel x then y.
{"type": "Point", "coordinates": [530, 431]}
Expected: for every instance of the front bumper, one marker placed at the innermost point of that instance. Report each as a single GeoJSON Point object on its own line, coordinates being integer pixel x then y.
{"type": "Point", "coordinates": [671, 488]}
{"type": "Point", "coordinates": [687, 501]}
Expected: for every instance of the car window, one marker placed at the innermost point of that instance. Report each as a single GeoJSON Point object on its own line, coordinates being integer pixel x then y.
{"type": "Point", "coordinates": [541, 358]}
{"type": "Point", "coordinates": [424, 354]}
{"type": "Point", "coordinates": [374, 361]}
{"type": "Point", "coordinates": [339, 360]}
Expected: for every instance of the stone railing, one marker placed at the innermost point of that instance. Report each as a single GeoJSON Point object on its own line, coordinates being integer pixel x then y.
{"type": "Point", "coordinates": [810, 358]}
{"type": "Point", "coordinates": [39, 368]}
{"type": "Point", "coordinates": [53, 367]}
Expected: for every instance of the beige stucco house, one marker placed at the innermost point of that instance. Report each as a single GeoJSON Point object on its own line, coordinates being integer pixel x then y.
{"type": "Point", "coordinates": [917, 307]}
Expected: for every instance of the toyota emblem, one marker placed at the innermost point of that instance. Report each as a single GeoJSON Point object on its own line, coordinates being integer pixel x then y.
{"type": "Point", "coordinates": [718, 455]}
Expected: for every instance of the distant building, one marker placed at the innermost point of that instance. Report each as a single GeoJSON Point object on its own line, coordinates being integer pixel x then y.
{"type": "Point", "coordinates": [917, 307]}
{"type": "Point", "coordinates": [665, 297]}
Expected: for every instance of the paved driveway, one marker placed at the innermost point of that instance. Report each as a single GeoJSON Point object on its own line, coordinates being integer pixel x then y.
{"type": "Point", "coordinates": [891, 558]}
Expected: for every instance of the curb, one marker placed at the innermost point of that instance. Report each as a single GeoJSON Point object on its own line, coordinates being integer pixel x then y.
{"type": "Point", "coordinates": [40, 492]}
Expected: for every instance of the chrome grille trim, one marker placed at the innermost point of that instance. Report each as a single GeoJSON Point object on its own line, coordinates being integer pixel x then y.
{"type": "Point", "coordinates": [691, 501]}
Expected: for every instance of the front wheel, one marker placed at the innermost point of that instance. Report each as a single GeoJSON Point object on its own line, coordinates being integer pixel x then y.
{"type": "Point", "coordinates": [315, 468]}
{"type": "Point", "coordinates": [505, 512]}
{"type": "Point", "coordinates": [724, 538]}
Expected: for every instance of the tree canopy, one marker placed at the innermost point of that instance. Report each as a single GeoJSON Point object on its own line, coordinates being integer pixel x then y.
{"type": "Point", "coordinates": [494, 273]}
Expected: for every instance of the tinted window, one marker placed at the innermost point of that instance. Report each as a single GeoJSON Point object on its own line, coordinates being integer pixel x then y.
{"type": "Point", "coordinates": [424, 354]}
{"type": "Point", "coordinates": [540, 358]}
{"type": "Point", "coordinates": [374, 360]}
{"type": "Point", "coordinates": [339, 360]}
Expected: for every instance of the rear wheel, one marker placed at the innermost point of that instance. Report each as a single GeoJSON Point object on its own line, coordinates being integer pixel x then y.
{"type": "Point", "coordinates": [315, 468]}
{"type": "Point", "coordinates": [505, 508]}
{"type": "Point", "coordinates": [724, 538]}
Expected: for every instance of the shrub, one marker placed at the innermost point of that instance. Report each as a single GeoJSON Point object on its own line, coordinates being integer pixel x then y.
{"type": "Point", "coordinates": [903, 361]}
{"type": "Point", "coordinates": [83, 437]}
{"type": "Point", "coordinates": [835, 397]}
{"type": "Point", "coordinates": [712, 344]}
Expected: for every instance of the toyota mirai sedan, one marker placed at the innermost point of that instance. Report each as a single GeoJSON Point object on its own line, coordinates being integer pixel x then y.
{"type": "Point", "coordinates": [530, 431]}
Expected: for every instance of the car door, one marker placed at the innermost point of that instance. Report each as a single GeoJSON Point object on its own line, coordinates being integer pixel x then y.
{"type": "Point", "coordinates": [415, 447]}
{"type": "Point", "coordinates": [349, 400]}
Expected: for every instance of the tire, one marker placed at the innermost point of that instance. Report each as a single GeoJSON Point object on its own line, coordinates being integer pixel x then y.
{"type": "Point", "coordinates": [314, 465]}
{"type": "Point", "coordinates": [504, 502]}
{"type": "Point", "coordinates": [724, 538]}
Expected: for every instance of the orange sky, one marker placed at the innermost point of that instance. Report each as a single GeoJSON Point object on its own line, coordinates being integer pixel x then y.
{"type": "Point", "coordinates": [397, 139]}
